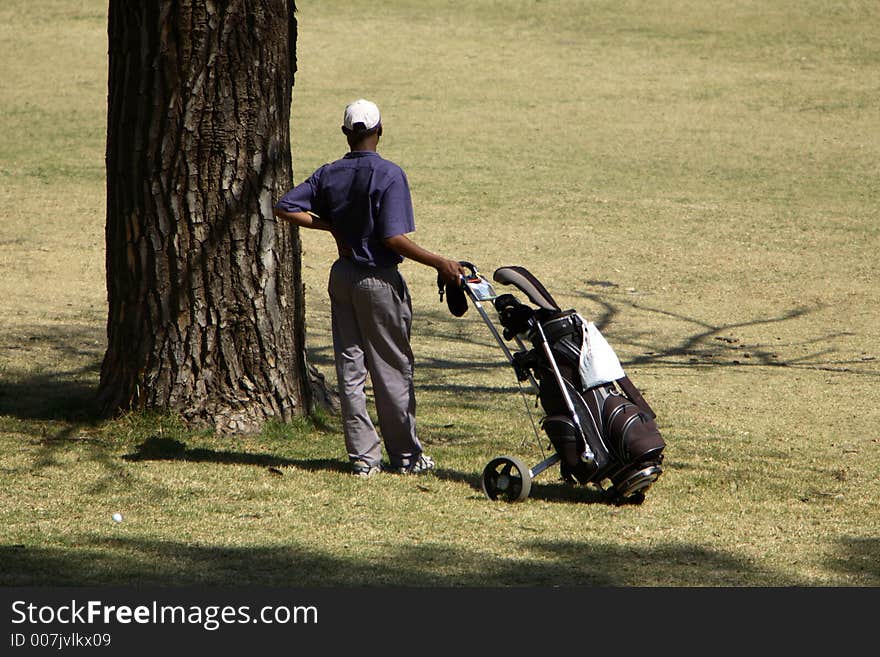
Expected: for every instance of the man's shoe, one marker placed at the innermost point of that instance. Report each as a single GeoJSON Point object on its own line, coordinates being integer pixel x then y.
{"type": "Point", "coordinates": [364, 469]}
{"type": "Point", "coordinates": [422, 464]}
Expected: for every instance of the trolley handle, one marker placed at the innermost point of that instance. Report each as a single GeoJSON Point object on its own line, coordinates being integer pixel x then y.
{"type": "Point", "coordinates": [469, 265]}
{"type": "Point", "coordinates": [462, 280]}
{"type": "Point", "coordinates": [474, 274]}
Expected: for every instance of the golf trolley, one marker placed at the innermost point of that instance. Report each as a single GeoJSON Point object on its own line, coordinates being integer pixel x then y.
{"type": "Point", "coordinates": [601, 428]}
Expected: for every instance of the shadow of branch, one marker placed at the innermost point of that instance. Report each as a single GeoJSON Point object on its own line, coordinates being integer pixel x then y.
{"type": "Point", "coordinates": [714, 345]}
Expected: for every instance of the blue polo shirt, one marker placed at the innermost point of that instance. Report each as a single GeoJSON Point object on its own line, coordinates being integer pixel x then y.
{"type": "Point", "coordinates": [365, 198]}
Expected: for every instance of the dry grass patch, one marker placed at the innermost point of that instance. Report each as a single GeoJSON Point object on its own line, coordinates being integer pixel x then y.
{"type": "Point", "coordinates": [696, 179]}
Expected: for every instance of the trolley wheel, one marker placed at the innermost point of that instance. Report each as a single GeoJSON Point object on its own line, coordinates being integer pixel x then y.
{"type": "Point", "coordinates": [507, 478]}
{"type": "Point", "coordinates": [630, 489]}
{"type": "Point", "coordinates": [619, 500]}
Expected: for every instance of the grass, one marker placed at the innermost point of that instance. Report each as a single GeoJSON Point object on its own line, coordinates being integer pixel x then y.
{"type": "Point", "coordinates": [698, 178]}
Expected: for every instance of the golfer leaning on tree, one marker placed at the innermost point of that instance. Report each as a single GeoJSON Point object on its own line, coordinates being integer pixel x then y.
{"type": "Point", "coordinates": [364, 201]}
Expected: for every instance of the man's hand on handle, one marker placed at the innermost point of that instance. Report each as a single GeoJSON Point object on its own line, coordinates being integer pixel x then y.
{"type": "Point", "coordinates": [451, 271]}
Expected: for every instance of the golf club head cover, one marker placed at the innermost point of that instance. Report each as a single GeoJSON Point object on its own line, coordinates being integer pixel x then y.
{"type": "Point", "coordinates": [516, 318]}
{"type": "Point", "coordinates": [456, 300]}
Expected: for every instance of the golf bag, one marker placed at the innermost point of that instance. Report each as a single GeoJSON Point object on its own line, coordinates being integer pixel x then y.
{"type": "Point", "coordinates": [599, 424]}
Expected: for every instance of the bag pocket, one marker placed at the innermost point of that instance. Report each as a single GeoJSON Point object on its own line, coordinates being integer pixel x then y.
{"type": "Point", "coordinates": [632, 433]}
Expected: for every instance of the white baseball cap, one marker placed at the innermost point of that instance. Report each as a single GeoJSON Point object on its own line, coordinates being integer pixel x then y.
{"type": "Point", "coordinates": [361, 112]}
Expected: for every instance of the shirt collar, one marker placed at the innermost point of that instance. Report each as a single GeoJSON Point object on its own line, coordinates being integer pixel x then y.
{"type": "Point", "coordinates": [352, 154]}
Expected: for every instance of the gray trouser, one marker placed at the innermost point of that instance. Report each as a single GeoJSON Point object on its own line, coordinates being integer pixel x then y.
{"type": "Point", "coordinates": [371, 314]}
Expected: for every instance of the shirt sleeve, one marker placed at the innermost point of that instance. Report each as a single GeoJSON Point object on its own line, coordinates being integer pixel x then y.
{"type": "Point", "coordinates": [302, 198]}
{"type": "Point", "coordinates": [395, 215]}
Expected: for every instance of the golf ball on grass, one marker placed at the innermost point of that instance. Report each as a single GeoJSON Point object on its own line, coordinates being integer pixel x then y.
{"type": "Point", "coordinates": [117, 517]}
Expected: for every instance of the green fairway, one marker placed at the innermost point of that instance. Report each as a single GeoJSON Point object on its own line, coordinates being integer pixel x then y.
{"type": "Point", "coordinates": [699, 179]}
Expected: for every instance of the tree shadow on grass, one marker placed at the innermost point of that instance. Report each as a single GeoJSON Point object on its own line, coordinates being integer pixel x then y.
{"type": "Point", "coordinates": [702, 344]}
{"type": "Point", "coordinates": [157, 448]}
{"type": "Point", "coordinates": [715, 345]}
{"type": "Point", "coordinates": [51, 372]}
{"type": "Point", "coordinates": [106, 560]}
{"type": "Point", "coordinates": [54, 396]}
{"type": "Point", "coordinates": [857, 559]}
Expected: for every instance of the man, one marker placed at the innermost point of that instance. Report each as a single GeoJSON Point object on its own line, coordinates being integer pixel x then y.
{"type": "Point", "coordinates": [364, 201]}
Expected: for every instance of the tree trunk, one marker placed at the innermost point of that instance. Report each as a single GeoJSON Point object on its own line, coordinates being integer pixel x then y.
{"type": "Point", "coordinates": [206, 307]}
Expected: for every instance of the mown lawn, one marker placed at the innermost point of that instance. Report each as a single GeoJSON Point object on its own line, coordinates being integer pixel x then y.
{"type": "Point", "coordinates": [699, 179]}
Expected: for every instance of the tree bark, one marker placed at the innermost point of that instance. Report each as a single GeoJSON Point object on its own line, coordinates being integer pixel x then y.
{"type": "Point", "coordinates": [206, 304]}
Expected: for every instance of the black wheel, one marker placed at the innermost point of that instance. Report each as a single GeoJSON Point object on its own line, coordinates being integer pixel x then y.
{"type": "Point", "coordinates": [617, 499]}
{"type": "Point", "coordinates": [630, 488]}
{"type": "Point", "coordinates": [507, 478]}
